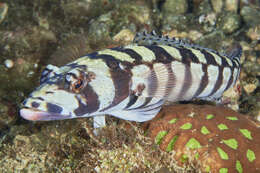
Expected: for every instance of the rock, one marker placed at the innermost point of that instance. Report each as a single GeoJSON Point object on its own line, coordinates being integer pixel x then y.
{"type": "Point", "coordinates": [204, 8]}
{"type": "Point", "coordinates": [228, 5]}
{"type": "Point", "coordinates": [124, 35]}
{"type": "Point", "coordinates": [208, 21]}
{"type": "Point", "coordinates": [232, 5]}
{"type": "Point", "coordinates": [7, 115]}
{"type": "Point", "coordinates": [217, 36]}
{"type": "Point", "coordinates": [250, 84]}
{"type": "Point", "coordinates": [140, 13]}
{"type": "Point", "coordinates": [254, 33]}
{"type": "Point", "coordinates": [133, 16]}
{"type": "Point", "coordinates": [258, 116]}
{"type": "Point", "coordinates": [191, 35]}
{"type": "Point", "coordinates": [249, 88]}
{"type": "Point", "coordinates": [194, 35]}
{"type": "Point", "coordinates": [229, 22]}
{"type": "Point", "coordinates": [208, 18]}
{"type": "Point", "coordinates": [174, 7]}
{"type": "Point", "coordinates": [101, 27]}
{"type": "Point", "coordinates": [231, 96]}
{"type": "Point", "coordinates": [251, 68]}
{"type": "Point", "coordinates": [80, 12]}
{"type": "Point", "coordinates": [179, 22]}
{"type": "Point", "coordinates": [217, 5]}
{"type": "Point", "coordinates": [250, 16]}
{"type": "Point", "coordinates": [128, 15]}
{"type": "Point", "coordinates": [3, 11]}
{"type": "Point", "coordinates": [208, 138]}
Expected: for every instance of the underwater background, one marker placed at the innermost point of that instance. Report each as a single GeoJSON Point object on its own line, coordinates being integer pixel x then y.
{"type": "Point", "coordinates": [36, 33]}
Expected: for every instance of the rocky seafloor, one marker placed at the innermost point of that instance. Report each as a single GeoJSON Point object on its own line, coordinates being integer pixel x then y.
{"type": "Point", "coordinates": [31, 32]}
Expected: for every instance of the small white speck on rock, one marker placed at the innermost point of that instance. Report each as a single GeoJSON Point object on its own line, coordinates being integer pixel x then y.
{"type": "Point", "coordinates": [97, 169]}
{"type": "Point", "coordinates": [8, 63]}
{"type": "Point", "coordinates": [35, 65]}
{"type": "Point", "coordinates": [30, 73]}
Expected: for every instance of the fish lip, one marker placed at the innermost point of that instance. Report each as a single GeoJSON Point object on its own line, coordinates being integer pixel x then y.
{"type": "Point", "coordinates": [38, 115]}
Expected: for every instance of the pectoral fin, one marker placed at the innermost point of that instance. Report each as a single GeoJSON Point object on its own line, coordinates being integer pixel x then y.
{"type": "Point", "coordinates": [140, 111]}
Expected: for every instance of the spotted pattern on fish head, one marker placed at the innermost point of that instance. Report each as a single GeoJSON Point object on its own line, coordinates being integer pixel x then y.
{"type": "Point", "coordinates": [67, 92]}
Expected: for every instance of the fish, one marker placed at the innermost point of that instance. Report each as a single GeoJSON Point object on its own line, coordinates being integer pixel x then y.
{"type": "Point", "coordinates": [132, 82]}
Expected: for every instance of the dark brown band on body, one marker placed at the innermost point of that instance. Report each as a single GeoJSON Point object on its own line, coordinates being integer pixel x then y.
{"type": "Point", "coordinates": [161, 55]}
{"type": "Point", "coordinates": [187, 81]}
{"type": "Point", "coordinates": [187, 56]}
{"type": "Point", "coordinates": [204, 81]}
{"type": "Point", "coordinates": [121, 80]}
{"type": "Point", "coordinates": [153, 83]}
{"type": "Point", "coordinates": [219, 81]}
{"type": "Point", "coordinates": [133, 54]}
{"type": "Point", "coordinates": [209, 57]}
{"type": "Point", "coordinates": [92, 104]}
{"type": "Point", "coordinates": [171, 80]}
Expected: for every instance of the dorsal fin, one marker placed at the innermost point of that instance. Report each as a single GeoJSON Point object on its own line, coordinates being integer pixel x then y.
{"type": "Point", "coordinates": [146, 39]}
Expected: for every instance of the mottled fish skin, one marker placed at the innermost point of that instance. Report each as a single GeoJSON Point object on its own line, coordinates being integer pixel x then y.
{"type": "Point", "coordinates": [132, 82]}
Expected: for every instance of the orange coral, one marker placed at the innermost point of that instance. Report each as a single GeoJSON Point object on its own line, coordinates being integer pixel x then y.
{"type": "Point", "coordinates": [213, 139]}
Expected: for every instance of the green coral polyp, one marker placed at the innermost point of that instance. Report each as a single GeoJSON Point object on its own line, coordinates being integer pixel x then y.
{"type": "Point", "coordinates": [250, 155]}
{"type": "Point", "coordinates": [209, 116]}
{"type": "Point", "coordinates": [184, 158]}
{"type": "Point", "coordinates": [246, 133]}
{"type": "Point", "coordinates": [232, 118]}
{"type": "Point", "coordinates": [193, 144]}
{"type": "Point", "coordinates": [159, 137]}
{"type": "Point", "coordinates": [207, 168]}
{"type": "Point", "coordinates": [204, 130]}
{"type": "Point", "coordinates": [171, 143]}
{"type": "Point", "coordinates": [186, 126]}
{"type": "Point", "coordinates": [239, 167]}
{"type": "Point", "coordinates": [232, 143]}
{"type": "Point", "coordinates": [197, 156]}
{"type": "Point", "coordinates": [172, 121]}
{"type": "Point", "coordinates": [223, 155]}
{"type": "Point", "coordinates": [222, 127]}
{"type": "Point", "coordinates": [223, 170]}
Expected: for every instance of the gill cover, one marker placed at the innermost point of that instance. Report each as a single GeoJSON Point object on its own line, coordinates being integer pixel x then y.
{"type": "Point", "coordinates": [59, 96]}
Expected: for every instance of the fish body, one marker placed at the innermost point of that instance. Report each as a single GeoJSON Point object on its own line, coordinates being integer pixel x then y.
{"type": "Point", "coordinates": [132, 82]}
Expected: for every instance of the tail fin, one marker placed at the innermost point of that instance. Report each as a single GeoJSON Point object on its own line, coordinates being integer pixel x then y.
{"type": "Point", "coordinates": [234, 51]}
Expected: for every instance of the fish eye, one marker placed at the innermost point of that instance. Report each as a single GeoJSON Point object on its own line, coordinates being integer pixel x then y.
{"type": "Point", "coordinates": [76, 86]}
{"type": "Point", "coordinates": [76, 83]}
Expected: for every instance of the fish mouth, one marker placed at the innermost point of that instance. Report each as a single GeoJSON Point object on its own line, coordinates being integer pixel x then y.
{"type": "Point", "coordinates": [38, 115]}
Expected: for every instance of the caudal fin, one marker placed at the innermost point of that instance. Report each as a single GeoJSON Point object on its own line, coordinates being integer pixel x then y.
{"type": "Point", "coordinates": [234, 51]}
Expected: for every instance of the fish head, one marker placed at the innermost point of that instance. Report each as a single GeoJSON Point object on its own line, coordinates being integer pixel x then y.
{"type": "Point", "coordinates": [64, 93]}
